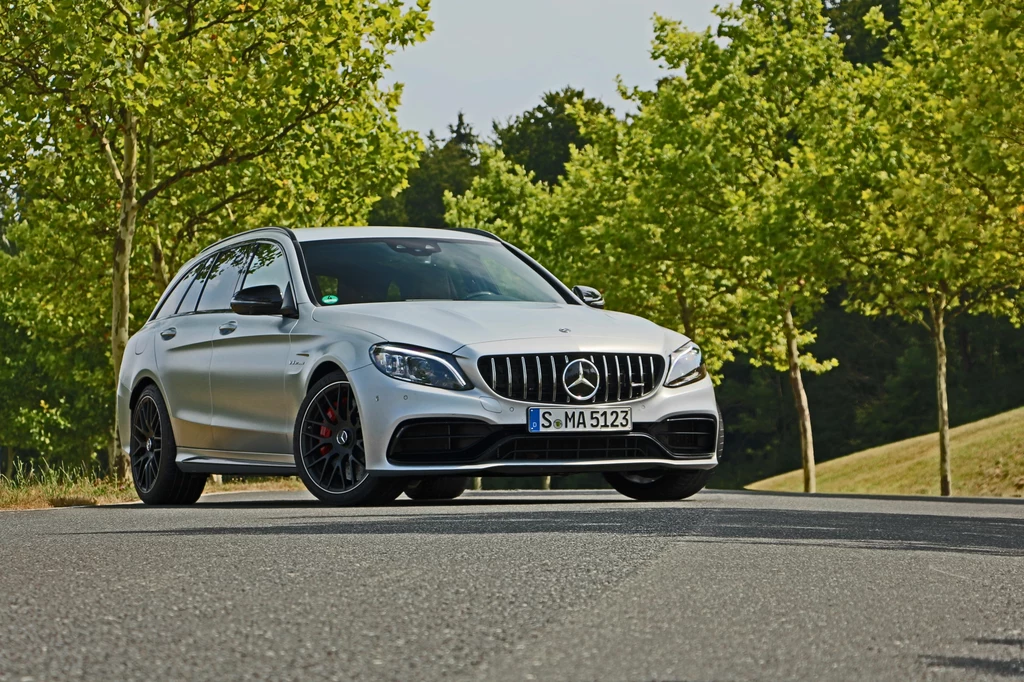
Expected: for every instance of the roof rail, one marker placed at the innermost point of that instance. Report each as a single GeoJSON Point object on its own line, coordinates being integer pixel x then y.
{"type": "Point", "coordinates": [285, 230]}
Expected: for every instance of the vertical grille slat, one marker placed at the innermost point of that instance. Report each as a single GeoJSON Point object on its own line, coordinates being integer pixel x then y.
{"type": "Point", "coordinates": [607, 384]}
{"type": "Point", "coordinates": [537, 377]}
{"type": "Point", "coordinates": [629, 374]}
{"type": "Point", "coordinates": [567, 398]}
{"type": "Point", "coordinates": [643, 380]}
{"type": "Point", "coordinates": [618, 379]}
{"type": "Point", "coordinates": [540, 381]}
{"type": "Point", "coordinates": [526, 379]}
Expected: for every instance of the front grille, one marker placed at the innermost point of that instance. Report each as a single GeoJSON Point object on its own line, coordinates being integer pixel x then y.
{"type": "Point", "coordinates": [687, 435]}
{"type": "Point", "coordinates": [583, 447]}
{"type": "Point", "coordinates": [537, 377]}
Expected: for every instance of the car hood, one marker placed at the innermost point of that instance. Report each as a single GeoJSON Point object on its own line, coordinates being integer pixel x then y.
{"type": "Point", "coordinates": [450, 325]}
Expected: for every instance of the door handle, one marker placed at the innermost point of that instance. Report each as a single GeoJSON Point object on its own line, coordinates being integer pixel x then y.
{"type": "Point", "coordinates": [168, 333]}
{"type": "Point", "coordinates": [228, 327]}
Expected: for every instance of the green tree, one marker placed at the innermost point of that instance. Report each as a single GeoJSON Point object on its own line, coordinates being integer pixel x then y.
{"type": "Point", "coordinates": [860, 44]}
{"type": "Point", "coordinates": [540, 139]}
{"type": "Point", "coordinates": [932, 143]}
{"type": "Point", "coordinates": [447, 165]}
{"type": "Point", "coordinates": [730, 186]}
{"type": "Point", "coordinates": [186, 119]}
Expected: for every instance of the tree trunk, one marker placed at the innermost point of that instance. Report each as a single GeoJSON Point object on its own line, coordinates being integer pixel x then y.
{"type": "Point", "coordinates": [803, 411]}
{"type": "Point", "coordinates": [938, 308]}
{"type": "Point", "coordinates": [685, 314]}
{"type": "Point", "coordinates": [8, 455]}
{"type": "Point", "coordinates": [160, 269]}
{"type": "Point", "coordinates": [121, 296]}
{"type": "Point", "coordinates": [545, 483]}
{"type": "Point", "coordinates": [478, 483]}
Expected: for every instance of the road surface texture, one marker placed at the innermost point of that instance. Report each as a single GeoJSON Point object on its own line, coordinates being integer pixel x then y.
{"type": "Point", "coordinates": [515, 586]}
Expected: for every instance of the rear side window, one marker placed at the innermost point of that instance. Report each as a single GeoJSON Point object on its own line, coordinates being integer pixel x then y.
{"type": "Point", "coordinates": [170, 305]}
{"type": "Point", "coordinates": [188, 302]}
{"type": "Point", "coordinates": [223, 280]}
{"type": "Point", "coordinates": [268, 266]}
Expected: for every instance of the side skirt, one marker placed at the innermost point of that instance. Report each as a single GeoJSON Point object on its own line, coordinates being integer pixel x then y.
{"type": "Point", "coordinates": [235, 463]}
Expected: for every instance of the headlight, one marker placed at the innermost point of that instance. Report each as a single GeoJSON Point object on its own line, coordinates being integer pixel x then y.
{"type": "Point", "coordinates": [419, 366]}
{"type": "Point", "coordinates": [685, 366]}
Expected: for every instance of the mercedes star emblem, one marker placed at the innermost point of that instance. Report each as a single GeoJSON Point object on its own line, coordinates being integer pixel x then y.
{"type": "Point", "coordinates": [581, 379]}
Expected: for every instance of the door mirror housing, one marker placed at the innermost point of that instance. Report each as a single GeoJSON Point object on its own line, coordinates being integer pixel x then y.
{"type": "Point", "coordinates": [589, 295]}
{"type": "Point", "coordinates": [265, 299]}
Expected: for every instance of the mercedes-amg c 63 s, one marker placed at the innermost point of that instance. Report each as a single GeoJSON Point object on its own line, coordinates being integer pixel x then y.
{"type": "Point", "coordinates": [372, 361]}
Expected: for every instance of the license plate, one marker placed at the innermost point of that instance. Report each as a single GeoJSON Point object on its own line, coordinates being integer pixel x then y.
{"type": "Point", "coordinates": [561, 419]}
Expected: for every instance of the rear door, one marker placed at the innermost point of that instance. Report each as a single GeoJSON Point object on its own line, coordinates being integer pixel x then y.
{"type": "Point", "coordinates": [250, 359]}
{"type": "Point", "coordinates": [183, 349]}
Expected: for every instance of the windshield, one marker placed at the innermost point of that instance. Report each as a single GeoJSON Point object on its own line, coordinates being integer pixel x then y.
{"type": "Point", "coordinates": [379, 270]}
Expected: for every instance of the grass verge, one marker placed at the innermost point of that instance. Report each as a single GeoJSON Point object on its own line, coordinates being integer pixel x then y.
{"type": "Point", "coordinates": [987, 460]}
{"type": "Point", "coordinates": [66, 488]}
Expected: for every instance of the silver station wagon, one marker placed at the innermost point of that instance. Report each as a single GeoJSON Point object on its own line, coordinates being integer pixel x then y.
{"type": "Point", "coordinates": [376, 361]}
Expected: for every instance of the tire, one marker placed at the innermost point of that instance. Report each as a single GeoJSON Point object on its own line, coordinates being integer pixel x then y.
{"type": "Point", "coordinates": [157, 478]}
{"type": "Point", "coordinates": [653, 486]}
{"type": "Point", "coordinates": [440, 488]}
{"type": "Point", "coordinates": [329, 453]}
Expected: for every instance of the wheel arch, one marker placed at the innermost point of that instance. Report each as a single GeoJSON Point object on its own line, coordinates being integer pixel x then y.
{"type": "Point", "coordinates": [326, 366]}
{"type": "Point", "coordinates": [141, 383]}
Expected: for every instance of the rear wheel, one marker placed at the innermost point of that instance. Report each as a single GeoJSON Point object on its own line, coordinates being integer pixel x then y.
{"type": "Point", "coordinates": [329, 450]}
{"type": "Point", "coordinates": [440, 488]}
{"type": "Point", "coordinates": [655, 485]}
{"type": "Point", "coordinates": [157, 478]}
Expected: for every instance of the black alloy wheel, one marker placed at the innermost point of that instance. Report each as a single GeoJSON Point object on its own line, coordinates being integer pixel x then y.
{"type": "Point", "coordinates": [152, 454]}
{"type": "Point", "coordinates": [145, 447]}
{"type": "Point", "coordinates": [331, 440]}
{"type": "Point", "coordinates": [330, 453]}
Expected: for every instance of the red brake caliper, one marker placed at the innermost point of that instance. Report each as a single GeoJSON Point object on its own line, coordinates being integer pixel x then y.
{"type": "Point", "coordinates": [325, 431]}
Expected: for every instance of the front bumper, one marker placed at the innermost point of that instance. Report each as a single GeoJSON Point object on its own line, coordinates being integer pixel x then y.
{"type": "Point", "coordinates": [385, 404]}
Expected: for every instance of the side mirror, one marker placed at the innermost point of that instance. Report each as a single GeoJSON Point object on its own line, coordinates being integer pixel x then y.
{"type": "Point", "coordinates": [265, 299]}
{"type": "Point", "coordinates": [589, 295]}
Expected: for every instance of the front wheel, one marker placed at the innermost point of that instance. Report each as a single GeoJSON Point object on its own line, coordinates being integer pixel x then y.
{"type": "Point", "coordinates": [655, 485]}
{"type": "Point", "coordinates": [329, 452]}
{"type": "Point", "coordinates": [156, 475]}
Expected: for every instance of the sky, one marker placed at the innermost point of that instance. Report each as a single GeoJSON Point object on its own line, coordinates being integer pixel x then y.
{"type": "Point", "coordinates": [493, 59]}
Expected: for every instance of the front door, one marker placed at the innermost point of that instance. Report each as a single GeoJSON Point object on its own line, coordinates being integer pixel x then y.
{"type": "Point", "coordinates": [250, 359]}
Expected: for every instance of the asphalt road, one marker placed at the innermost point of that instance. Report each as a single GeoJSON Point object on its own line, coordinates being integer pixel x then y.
{"type": "Point", "coordinates": [513, 586]}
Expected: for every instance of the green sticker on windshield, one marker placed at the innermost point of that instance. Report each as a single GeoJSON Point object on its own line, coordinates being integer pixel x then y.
{"type": "Point", "coordinates": [330, 300]}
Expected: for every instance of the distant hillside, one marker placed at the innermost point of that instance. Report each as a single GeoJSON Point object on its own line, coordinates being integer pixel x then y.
{"type": "Point", "coordinates": [988, 460]}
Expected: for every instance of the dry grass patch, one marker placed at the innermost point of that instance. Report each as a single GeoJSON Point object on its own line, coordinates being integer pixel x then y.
{"type": "Point", "coordinates": [987, 461]}
{"type": "Point", "coordinates": [68, 488]}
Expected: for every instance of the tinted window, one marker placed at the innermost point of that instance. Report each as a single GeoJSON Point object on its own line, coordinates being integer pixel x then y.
{"type": "Point", "coordinates": [188, 302]}
{"type": "Point", "coordinates": [377, 270]}
{"type": "Point", "coordinates": [268, 266]}
{"type": "Point", "coordinates": [170, 305]}
{"type": "Point", "coordinates": [223, 281]}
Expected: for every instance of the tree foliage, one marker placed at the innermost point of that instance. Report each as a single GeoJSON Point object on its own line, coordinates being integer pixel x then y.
{"type": "Point", "coordinates": [166, 124]}
{"type": "Point", "coordinates": [932, 142]}
{"type": "Point", "coordinates": [540, 139]}
{"type": "Point", "coordinates": [860, 44]}
{"type": "Point", "coordinates": [446, 165]}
